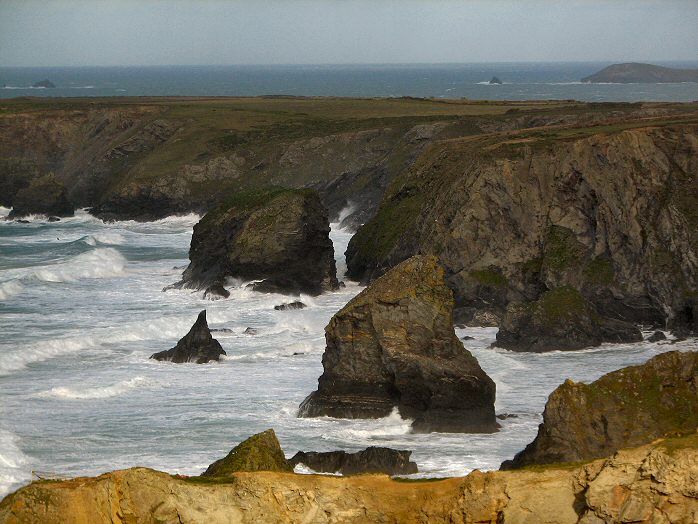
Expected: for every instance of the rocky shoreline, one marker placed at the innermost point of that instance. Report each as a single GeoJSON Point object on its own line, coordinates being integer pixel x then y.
{"type": "Point", "coordinates": [565, 225]}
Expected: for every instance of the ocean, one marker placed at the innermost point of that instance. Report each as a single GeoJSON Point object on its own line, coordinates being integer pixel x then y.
{"type": "Point", "coordinates": [82, 309]}
{"type": "Point", "coordinates": [521, 81]}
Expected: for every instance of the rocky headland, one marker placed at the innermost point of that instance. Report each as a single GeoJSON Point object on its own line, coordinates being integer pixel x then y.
{"type": "Point", "coordinates": [651, 483]}
{"type": "Point", "coordinates": [625, 408]}
{"type": "Point", "coordinates": [637, 73]}
{"type": "Point", "coordinates": [197, 346]}
{"type": "Point", "coordinates": [278, 238]}
{"type": "Point", "coordinates": [394, 346]}
{"type": "Point", "coordinates": [608, 212]}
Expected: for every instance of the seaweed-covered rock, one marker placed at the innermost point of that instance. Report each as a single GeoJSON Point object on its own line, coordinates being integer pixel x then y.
{"type": "Point", "coordinates": [260, 452]}
{"type": "Point", "coordinates": [656, 336]}
{"type": "Point", "coordinates": [45, 195]}
{"type": "Point", "coordinates": [625, 408]}
{"type": "Point", "coordinates": [197, 346]}
{"type": "Point", "coordinates": [370, 460]}
{"type": "Point", "coordinates": [562, 319]}
{"type": "Point", "coordinates": [394, 345]}
{"type": "Point", "coordinates": [216, 292]}
{"type": "Point", "coordinates": [277, 237]}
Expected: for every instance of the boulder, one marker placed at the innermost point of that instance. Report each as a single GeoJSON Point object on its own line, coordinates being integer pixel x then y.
{"type": "Point", "coordinates": [656, 337]}
{"type": "Point", "coordinates": [45, 195]}
{"type": "Point", "coordinates": [291, 305]}
{"type": "Point", "coordinates": [260, 452]}
{"type": "Point", "coordinates": [394, 345]}
{"type": "Point", "coordinates": [370, 460]}
{"type": "Point", "coordinates": [216, 292]}
{"type": "Point", "coordinates": [625, 408]}
{"type": "Point", "coordinates": [562, 319]}
{"type": "Point", "coordinates": [277, 237]}
{"type": "Point", "coordinates": [197, 346]}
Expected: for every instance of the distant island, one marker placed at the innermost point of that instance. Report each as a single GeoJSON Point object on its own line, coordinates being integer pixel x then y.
{"type": "Point", "coordinates": [635, 73]}
{"type": "Point", "coordinates": [44, 83]}
{"type": "Point", "coordinates": [495, 81]}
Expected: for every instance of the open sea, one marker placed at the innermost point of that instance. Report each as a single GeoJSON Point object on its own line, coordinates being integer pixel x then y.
{"type": "Point", "coordinates": [82, 309]}
{"type": "Point", "coordinates": [521, 81]}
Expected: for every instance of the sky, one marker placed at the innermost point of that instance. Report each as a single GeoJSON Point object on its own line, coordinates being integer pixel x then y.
{"type": "Point", "coordinates": [217, 32]}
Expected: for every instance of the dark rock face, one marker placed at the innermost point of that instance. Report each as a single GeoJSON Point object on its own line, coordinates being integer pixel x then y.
{"type": "Point", "coordinates": [625, 408]}
{"type": "Point", "coordinates": [45, 195]}
{"type": "Point", "coordinates": [562, 319]}
{"type": "Point", "coordinates": [216, 292]}
{"type": "Point", "coordinates": [656, 337]}
{"type": "Point", "coordinates": [610, 215]}
{"type": "Point", "coordinates": [279, 237]}
{"type": "Point", "coordinates": [291, 305]}
{"type": "Point", "coordinates": [260, 452]}
{"type": "Point", "coordinates": [369, 460]}
{"type": "Point", "coordinates": [197, 346]}
{"type": "Point", "coordinates": [394, 345]}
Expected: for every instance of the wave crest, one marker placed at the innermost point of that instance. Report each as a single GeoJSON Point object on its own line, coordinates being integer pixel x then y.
{"type": "Point", "coordinates": [96, 393]}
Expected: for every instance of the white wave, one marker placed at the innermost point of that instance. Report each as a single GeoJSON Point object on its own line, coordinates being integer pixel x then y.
{"type": "Point", "coordinates": [14, 464]}
{"type": "Point", "coordinates": [4, 211]}
{"type": "Point", "coordinates": [97, 392]}
{"type": "Point", "coordinates": [10, 288]}
{"type": "Point", "coordinates": [115, 239]}
{"type": "Point", "coordinates": [391, 426]}
{"type": "Point", "coordinates": [98, 263]}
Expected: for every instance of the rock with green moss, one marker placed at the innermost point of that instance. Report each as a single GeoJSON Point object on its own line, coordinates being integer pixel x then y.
{"type": "Point", "coordinates": [562, 319]}
{"type": "Point", "coordinates": [45, 195]}
{"type": "Point", "coordinates": [625, 408]}
{"type": "Point", "coordinates": [394, 346]}
{"type": "Point", "coordinates": [260, 452]}
{"type": "Point", "coordinates": [278, 238]}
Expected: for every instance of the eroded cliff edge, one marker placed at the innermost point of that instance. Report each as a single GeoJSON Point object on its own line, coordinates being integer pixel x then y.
{"type": "Point", "coordinates": [652, 483]}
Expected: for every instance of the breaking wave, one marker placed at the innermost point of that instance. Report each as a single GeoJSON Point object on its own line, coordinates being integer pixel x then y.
{"type": "Point", "coordinates": [97, 392]}
{"type": "Point", "coordinates": [98, 263]}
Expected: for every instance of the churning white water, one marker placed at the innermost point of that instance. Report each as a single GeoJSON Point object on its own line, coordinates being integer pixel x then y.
{"type": "Point", "coordinates": [82, 309]}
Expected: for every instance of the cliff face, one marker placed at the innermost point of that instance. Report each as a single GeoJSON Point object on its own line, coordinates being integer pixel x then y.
{"type": "Point", "coordinates": [609, 212]}
{"type": "Point", "coordinates": [654, 483]}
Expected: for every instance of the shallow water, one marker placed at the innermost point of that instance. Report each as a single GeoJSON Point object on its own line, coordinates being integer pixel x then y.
{"type": "Point", "coordinates": [81, 310]}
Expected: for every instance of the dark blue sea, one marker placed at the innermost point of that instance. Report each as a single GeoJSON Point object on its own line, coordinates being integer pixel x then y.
{"type": "Point", "coordinates": [521, 81]}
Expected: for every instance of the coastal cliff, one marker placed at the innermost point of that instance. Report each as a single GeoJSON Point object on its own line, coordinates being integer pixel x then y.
{"type": "Point", "coordinates": [609, 212]}
{"type": "Point", "coordinates": [652, 483]}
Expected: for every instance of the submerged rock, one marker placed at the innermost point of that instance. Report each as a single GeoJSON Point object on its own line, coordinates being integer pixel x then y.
{"type": "Point", "coordinates": [216, 292]}
{"type": "Point", "coordinates": [628, 407]}
{"type": "Point", "coordinates": [561, 320]}
{"type": "Point", "coordinates": [656, 337]}
{"type": "Point", "coordinates": [370, 460]}
{"type": "Point", "coordinates": [278, 237]}
{"type": "Point", "coordinates": [260, 452]}
{"type": "Point", "coordinates": [45, 195]}
{"type": "Point", "coordinates": [250, 331]}
{"type": "Point", "coordinates": [196, 346]}
{"type": "Point", "coordinates": [394, 345]}
{"type": "Point", "coordinates": [291, 305]}
{"type": "Point", "coordinates": [46, 83]}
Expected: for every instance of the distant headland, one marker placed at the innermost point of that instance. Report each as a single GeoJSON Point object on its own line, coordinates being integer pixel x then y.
{"type": "Point", "coordinates": [633, 72]}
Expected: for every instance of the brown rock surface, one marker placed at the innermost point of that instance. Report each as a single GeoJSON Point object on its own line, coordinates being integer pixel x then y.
{"type": "Point", "coordinates": [394, 345]}
{"type": "Point", "coordinates": [652, 483]}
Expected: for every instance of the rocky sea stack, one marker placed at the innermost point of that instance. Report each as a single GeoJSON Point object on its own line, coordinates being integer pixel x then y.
{"type": "Point", "coordinates": [370, 460]}
{"type": "Point", "coordinates": [44, 195]}
{"type": "Point", "coordinates": [260, 452]}
{"type": "Point", "coordinates": [562, 319]}
{"type": "Point", "coordinates": [277, 237]}
{"type": "Point", "coordinates": [394, 345]}
{"type": "Point", "coordinates": [197, 346]}
{"type": "Point", "coordinates": [625, 408]}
